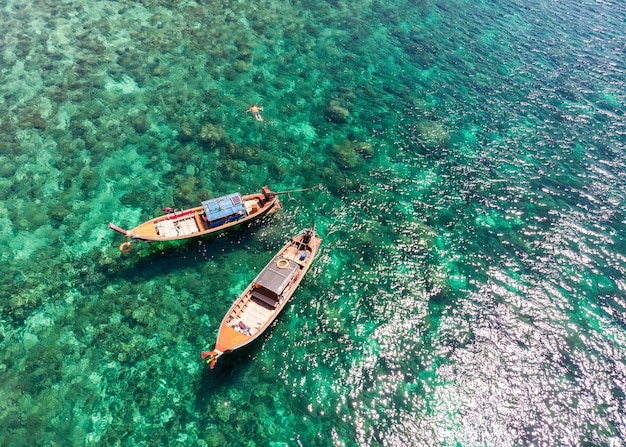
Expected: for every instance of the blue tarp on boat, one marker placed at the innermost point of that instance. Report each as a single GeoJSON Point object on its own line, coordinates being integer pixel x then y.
{"type": "Point", "coordinates": [224, 209]}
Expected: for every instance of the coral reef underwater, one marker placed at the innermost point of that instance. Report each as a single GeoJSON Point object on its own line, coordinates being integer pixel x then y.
{"type": "Point", "coordinates": [469, 290]}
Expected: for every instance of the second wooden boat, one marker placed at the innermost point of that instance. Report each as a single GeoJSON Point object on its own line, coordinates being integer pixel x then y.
{"type": "Point", "coordinates": [211, 216]}
{"type": "Point", "coordinates": [259, 305]}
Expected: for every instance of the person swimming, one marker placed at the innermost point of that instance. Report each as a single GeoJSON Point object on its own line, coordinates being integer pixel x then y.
{"type": "Point", "coordinates": [255, 111]}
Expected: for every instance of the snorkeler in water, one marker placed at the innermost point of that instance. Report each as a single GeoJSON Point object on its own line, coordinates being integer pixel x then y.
{"type": "Point", "coordinates": [255, 111]}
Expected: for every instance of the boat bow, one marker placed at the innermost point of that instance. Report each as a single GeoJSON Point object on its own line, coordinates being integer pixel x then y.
{"type": "Point", "coordinates": [211, 357]}
{"type": "Point", "coordinates": [114, 227]}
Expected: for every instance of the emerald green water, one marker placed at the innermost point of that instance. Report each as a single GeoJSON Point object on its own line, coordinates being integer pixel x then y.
{"type": "Point", "coordinates": [470, 288]}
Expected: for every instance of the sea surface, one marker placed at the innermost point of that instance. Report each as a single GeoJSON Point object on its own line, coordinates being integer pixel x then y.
{"type": "Point", "coordinates": [471, 158]}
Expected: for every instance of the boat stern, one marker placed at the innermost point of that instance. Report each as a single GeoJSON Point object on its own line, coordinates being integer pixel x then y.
{"type": "Point", "coordinates": [211, 357]}
{"type": "Point", "coordinates": [267, 192]}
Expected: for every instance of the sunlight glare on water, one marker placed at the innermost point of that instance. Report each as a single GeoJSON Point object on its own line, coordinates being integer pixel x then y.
{"type": "Point", "coordinates": [470, 287]}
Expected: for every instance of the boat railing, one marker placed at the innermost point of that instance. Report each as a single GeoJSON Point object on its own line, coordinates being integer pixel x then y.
{"type": "Point", "coordinates": [177, 214]}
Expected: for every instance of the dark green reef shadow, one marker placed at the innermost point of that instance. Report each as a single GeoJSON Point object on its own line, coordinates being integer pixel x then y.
{"type": "Point", "coordinates": [228, 372]}
{"type": "Point", "coordinates": [164, 258]}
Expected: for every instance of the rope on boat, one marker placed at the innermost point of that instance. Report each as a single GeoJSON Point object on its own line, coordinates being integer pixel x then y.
{"type": "Point", "coordinates": [298, 190]}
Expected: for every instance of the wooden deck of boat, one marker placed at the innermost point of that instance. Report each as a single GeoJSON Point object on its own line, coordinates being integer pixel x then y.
{"type": "Point", "coordinates": [256, 311]}
{"type": "Point", "coordinates": [293, 254]}
{"type": "Point", "coordinates": [247, 318]}
{"type": "Point", "coordinates": [255, 314]}
{"type": "Point", "coordinates": [194, 223]}
{"type": "Point", "coordinates": [183, 226]}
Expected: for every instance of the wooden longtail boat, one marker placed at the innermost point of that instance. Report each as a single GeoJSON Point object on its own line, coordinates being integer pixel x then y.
{"type": "Point", "coordinates": [211, 216]}
{"type": "Point", "coordinates": [259, 305]}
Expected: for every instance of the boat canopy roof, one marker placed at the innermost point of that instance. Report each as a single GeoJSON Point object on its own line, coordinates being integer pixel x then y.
{"type": "Point", "coordinates": [224, 206]}
{"type": "Point", "coordinates": [277, 274]}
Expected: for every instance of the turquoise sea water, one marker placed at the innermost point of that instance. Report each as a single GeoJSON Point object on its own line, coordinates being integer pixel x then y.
{"type": "Point", "coordinates": [470, 290]}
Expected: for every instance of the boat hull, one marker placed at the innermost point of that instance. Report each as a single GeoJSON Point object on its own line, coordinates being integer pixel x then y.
{"type": "Point", "coordinates": [192, 222]}
{"type": "Point", "coordinates": [263, 300]}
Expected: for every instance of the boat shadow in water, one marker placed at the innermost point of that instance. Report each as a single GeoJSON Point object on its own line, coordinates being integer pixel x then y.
{"type": "Point", "coordinates": [227, 373]}
{"type": "Point", "coordinates": [182, 255]}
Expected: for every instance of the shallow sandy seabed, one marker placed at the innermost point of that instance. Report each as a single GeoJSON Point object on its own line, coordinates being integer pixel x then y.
{"type": "Point", "coordinates": [470, 287]}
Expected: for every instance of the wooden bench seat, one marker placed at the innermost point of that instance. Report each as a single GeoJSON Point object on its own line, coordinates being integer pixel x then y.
{"type": "Point", "coordinates": [267, 300]}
